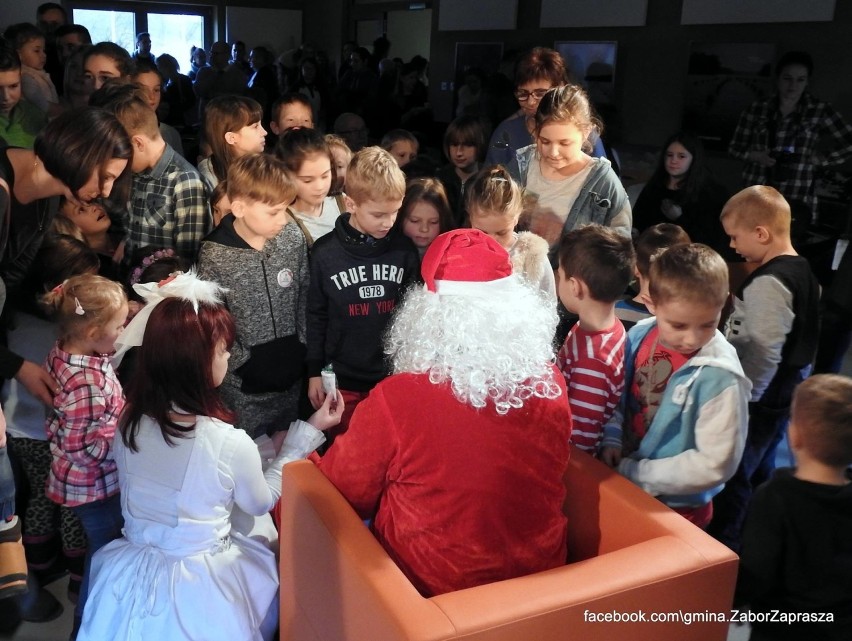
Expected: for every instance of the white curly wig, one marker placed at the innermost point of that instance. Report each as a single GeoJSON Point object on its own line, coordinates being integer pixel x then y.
{"type": "Point", "coordinates": [496, 348]}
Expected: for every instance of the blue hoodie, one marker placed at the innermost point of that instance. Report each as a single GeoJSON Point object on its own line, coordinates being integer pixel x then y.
{"type": "Point", "coordinates": [696, 439]}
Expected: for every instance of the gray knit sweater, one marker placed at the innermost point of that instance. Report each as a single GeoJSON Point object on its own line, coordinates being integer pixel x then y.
{"type": "Point", "coordinates": [267, 294]}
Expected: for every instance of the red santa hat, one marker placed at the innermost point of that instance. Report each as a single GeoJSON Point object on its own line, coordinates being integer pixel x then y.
{"type": "Point", "coordinates": [466, 262]}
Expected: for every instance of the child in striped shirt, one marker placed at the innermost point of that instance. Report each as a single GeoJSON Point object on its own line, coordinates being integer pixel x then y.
{"type": "Point", "coordinates": [596, 264]}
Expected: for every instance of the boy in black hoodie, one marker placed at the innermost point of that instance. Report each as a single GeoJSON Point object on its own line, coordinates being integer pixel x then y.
{"type": "Point", "coordinates": [796, 559]}
{"type": "Point", "coordinates": [358, 274]}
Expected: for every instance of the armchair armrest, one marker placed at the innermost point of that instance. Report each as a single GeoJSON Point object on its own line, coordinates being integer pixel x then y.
{"type": "Point", "coordinates": [337, 582]}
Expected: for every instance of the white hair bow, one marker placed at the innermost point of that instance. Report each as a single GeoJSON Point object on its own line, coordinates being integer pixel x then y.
{"type": "Point", "coordinates": [185, 285]}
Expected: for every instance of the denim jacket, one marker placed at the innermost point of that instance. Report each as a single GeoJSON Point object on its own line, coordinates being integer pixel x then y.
{"type": "Point", "coordinates": [600, 199]}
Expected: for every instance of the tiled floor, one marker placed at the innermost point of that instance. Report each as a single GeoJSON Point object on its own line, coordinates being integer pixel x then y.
{"type": "Point", "coordinates": [56, 630]}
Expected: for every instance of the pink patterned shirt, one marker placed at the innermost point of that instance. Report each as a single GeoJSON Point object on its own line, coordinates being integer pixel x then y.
{"type": "Point", "coordinates": [85, 415]}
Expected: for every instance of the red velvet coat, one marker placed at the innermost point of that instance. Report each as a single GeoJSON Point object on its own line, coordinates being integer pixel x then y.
{"type": "Point", "coordinates": [459, 496]}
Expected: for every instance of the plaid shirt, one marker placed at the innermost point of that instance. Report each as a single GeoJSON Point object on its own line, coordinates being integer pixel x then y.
{"type": "Point", "coordinates": [796, 138]}
{"type": "Point", "coordinates": [82, 427]}
{"type": "Point", "coordinates": [169, 207]}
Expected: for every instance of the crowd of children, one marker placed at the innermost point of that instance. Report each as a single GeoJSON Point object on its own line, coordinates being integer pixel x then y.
{"type": "Point", "coordinates": [304, 248]}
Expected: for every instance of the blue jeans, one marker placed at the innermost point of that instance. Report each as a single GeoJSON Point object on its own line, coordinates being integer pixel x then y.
{"type": "Point", "coordinates": [7, 485]}
{"type": "Point", "coordinates": [102, 521]}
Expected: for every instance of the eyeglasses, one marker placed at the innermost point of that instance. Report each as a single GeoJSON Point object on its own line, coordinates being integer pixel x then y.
{"type": "Point", "coordinates": [523, 95]}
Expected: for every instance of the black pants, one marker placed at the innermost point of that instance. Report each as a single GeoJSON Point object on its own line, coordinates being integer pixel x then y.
{"type": "Point", "coordinates": [766, 424]}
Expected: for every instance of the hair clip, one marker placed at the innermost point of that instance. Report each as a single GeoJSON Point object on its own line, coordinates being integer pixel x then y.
{"type": "Point", "coordinates": [498, 179]}
{"type": "Point", "coordinates": [78, 308]}
{"type": "Point", "coordinates": [169, 278]}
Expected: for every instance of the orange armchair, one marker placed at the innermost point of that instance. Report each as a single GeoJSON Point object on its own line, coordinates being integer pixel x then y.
{"type": "Point", "coordinates": [629, 554]}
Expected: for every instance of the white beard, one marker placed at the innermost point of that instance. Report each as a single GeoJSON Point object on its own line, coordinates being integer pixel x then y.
{"type": "Point", "coordinates": [497, 348]}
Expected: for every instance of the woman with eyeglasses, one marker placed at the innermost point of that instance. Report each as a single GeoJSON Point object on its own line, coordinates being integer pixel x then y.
{"type": "Point", "coordinates": [536, 72]}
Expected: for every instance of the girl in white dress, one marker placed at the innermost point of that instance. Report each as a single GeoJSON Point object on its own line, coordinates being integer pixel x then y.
{"type": "Point", "coordinates": [185, 569]}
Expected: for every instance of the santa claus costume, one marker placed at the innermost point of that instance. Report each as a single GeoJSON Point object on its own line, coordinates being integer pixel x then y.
{"type": "Point", "coordinates": [458, 457]}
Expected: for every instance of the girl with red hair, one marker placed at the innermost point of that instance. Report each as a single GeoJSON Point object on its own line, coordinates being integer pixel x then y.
{"type": "Point", "coordinates": [195, 498]}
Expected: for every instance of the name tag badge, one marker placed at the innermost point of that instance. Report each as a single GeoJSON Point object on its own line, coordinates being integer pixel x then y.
{"type": "Point", "coordinates": [285, 278]}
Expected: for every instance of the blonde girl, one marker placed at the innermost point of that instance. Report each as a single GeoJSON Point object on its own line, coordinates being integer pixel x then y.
{"type": "Point", "coordinates": [342, 155]}
{"type": "Point", "coordinates": [569, 187]}
{"type": "Point", "coordinates": [494, 204]}
{"type": "Point", "coordinates": [48, 527]}
{"type": "Point", "coordinates": [310, 165]}
{"type": "Point", "coordinates": [425, 212]}
{"type": "Point", "coordinates": [232, 129]}
{"type": "Point", "coordinates": [90, 311]}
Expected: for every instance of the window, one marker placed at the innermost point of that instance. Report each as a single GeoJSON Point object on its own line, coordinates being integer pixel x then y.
{"type": "Point", "coordinates": [175, 34]}
{"type": "Point", "coordinates": [174, 29]}
{"type": "Point", "coordinates": [116, 26]}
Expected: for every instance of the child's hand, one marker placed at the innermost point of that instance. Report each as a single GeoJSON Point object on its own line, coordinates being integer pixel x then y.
{"type": "Point", "coordinates": [278, 439]}
{"type": "Point", "coordinates": [329, 413]}
{"type": "Point", "coordinates": [316, 394]}
{"type": "Point", "coordinates": [611, 456]}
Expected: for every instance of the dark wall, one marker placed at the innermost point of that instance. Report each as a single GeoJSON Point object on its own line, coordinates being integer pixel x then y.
{"type": "Point", "coordinates": [652, 60]}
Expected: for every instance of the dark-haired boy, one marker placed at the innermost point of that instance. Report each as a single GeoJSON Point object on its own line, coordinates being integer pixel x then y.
{"type": "Point", "coordinates": [69, 38]}
{"type": "Point", "coordinates": [464, 147]}
{"type": "Point", "coordinates": [595, 266]}
{"type": "Point", "coordinates": [168, 201]}
{"type": "Point", "coordinates": [797, 541]}
{"type": "Point", "coordinates": [290, 111]}
{"type": "Point", "coordinates": [651, 242]}
{"type": "Point", "coordinates": [20, 120]}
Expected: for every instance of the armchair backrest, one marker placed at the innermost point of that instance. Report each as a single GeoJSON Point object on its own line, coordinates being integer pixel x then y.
{"type": "Point", "coordinates": [627, 552]}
